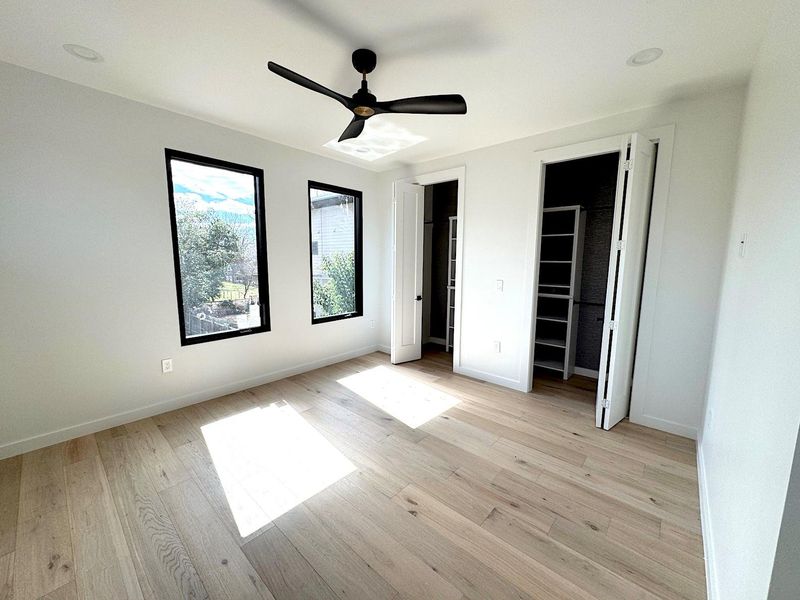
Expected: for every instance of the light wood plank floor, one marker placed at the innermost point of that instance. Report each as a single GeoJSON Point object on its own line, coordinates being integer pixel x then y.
{"type": "Point", "coordinates": [503, 495]}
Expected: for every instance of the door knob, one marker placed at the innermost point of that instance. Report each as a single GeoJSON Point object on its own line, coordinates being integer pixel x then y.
{"type": "Point", "coordinates": [418, 298]}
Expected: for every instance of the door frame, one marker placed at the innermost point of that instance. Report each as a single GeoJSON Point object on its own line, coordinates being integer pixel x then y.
{"type": "Point", "coordinates": [424, 179]}
{"type": "Point", "coordinates": [665, 137]}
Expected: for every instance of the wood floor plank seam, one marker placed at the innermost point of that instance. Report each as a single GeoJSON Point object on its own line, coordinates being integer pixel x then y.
{"type": "Point", "coordinates": [103, 565]}
{"type": "Point", "coordinates": [475, 579]}
{"type": "Point", "coordinates": [535, 578]}
{"type": "Point", "coordinates": [162, 564]}
{"type": "Point", "coordinates": [71, 529]}
{"type": "Point", "coordinates": [44, 560]}
{"type": "Point", "coordinates": [7, 576]}
{"type": "Point", "coordinates": [591, 576]}
{"type": "Point", "coordinates": [222, 566]}
{"type": "Point", "coordinates": [406, 573]}
{"type": "Point", "coordinates": [10, 479]}
{"type": "Point", "coordinates": [348, 575]}
{"type": "Point", "coordinates": [284, 569]}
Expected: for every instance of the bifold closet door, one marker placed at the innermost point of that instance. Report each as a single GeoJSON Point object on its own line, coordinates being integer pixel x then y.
{"type": "Point", "coordinates": [625, 272]}
{"type": "Point", "coordinates": [408, 207]}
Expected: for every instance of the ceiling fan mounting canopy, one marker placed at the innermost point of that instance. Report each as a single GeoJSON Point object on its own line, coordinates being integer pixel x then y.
{"type": "Point", "coordinates": [363, 104]}
{"type": "Point", "coordinates": [364, 61]}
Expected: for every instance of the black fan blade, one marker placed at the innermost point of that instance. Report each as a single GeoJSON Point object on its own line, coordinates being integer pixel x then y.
{"type": "Point", "coordinates": [307, 83]}
{"type": "Point", "coordinates": [354, 129]}
{"type": "Point", "coordinates": [448, 104]}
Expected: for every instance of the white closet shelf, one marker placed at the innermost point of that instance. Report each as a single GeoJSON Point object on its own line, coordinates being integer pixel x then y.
{"type": "Point", "coordinates": [553, 319]}
{"type": "Point", "coordinates": [561, 296]}
{"type": "Point", "coordinates": [451, 270]}
{"type": "Point", "coordinates": [556, 262]}
{"type": "Point", "coordinates": [553, 365]}
{"type": "Point", "coordinates": [559, 285]}
{"type": "Point", "coordinates": [557, 234]}
{"type": "Point", "coordinates": [556, 343]}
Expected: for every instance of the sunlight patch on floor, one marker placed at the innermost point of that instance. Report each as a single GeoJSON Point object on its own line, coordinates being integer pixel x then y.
{"type": "Point", "coordinates": [405, 398]}
{"type": "Point", "coordinates": [269, 460]}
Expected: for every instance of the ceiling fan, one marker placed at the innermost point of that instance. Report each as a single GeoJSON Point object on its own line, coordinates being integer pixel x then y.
{"type": "Point", "coordinates": [364, 105]}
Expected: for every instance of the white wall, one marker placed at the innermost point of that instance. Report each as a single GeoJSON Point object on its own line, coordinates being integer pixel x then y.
{"type": "Point", "coordinates": [496, 225]}
{"type": "Point", "coordinates": [88, 305]}
{"type": "Point", "coordinates": [753, 408]}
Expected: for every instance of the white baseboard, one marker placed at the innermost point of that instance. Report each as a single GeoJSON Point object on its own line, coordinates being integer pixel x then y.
{"type": "Point", "coordinates": [666, 425]}
{"type": "Point", "coordinates": [514, 384]}
{"type": "Point", "coordinates": [712, 591]}
{"type": "Point", "coordinates": [384, 349]}
{"type": "Point", "coordinates": [67, 433]}
{"type": "Point", "coordinates": [586, 372]}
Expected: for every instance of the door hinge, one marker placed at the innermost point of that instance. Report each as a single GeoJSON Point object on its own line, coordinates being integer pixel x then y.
{"type": "Point", "coordinates": [612, 325]}
{"type": "Point", "coordinates": [627, 165]}
{"type": "Point", "coordinates": [604, 403]}
{"type": "Point", "coordinates": [620, 244]}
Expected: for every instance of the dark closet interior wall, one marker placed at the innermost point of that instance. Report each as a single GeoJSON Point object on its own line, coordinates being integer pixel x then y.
{"type": "Point", "coordinates": [591, 183]}
{"type": "Point", "coordinates": [445, 203]}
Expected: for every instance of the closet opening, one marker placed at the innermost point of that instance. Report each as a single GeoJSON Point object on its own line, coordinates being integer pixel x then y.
{"type": "Point", "coordinates": [574, 251]}
{"type": "Point", "coordinates": [595, 214]}
{"type": "Point", "coordinates": [440, 222]}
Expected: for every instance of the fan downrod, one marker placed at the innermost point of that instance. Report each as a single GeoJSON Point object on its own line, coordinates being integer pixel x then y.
{"type": "Point", "coordinates": [364, 61]}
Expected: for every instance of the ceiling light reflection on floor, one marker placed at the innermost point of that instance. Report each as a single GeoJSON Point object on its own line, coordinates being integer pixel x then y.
{"type": "Point", "coordinates": [269, 460]}
{"type": "Point", "coordinates": [405, 398]}
{"type": "Point", "coordinates": [380, 138]}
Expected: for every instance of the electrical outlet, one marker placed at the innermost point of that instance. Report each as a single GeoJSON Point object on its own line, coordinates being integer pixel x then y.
{"type": "Point", "coordinates": [372, 323]}
{"type": "Point", "coordinates": [499, 285]}
{"type": "Point", "coordinates": [496, 346]}
{"type": "Point", "coordinates": [166, 365]}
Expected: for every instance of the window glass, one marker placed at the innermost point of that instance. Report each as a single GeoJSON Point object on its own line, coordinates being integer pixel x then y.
{"type": "Point", "coordinates": [218, 241]}
{"type": "Point", "coordinates": [335, 222]}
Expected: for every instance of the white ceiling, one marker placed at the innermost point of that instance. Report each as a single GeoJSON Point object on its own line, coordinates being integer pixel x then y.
{"type": "Point", "coordinates": [524, 66]}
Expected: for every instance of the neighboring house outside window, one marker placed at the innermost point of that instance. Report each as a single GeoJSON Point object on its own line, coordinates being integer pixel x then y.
{"type": "Point", "coordinates": [335, 239]}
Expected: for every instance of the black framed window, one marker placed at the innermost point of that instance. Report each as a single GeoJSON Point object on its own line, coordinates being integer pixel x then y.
{"type": "Point", "coordinates": [334, 220]}
{"type": "Point", "coordinates": [219, 247]}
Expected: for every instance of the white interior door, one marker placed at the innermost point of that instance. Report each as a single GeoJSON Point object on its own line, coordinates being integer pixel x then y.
{"type": "Point", "coordinates": [408, 207]}
{"type": "Point", "coordinates": [625, 272]}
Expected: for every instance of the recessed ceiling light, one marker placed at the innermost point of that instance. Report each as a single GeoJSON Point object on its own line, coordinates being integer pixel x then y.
{"type": "Point", "coordinates": [645, 57]}
{"type": "Point", "coordinates": [83, 52]}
